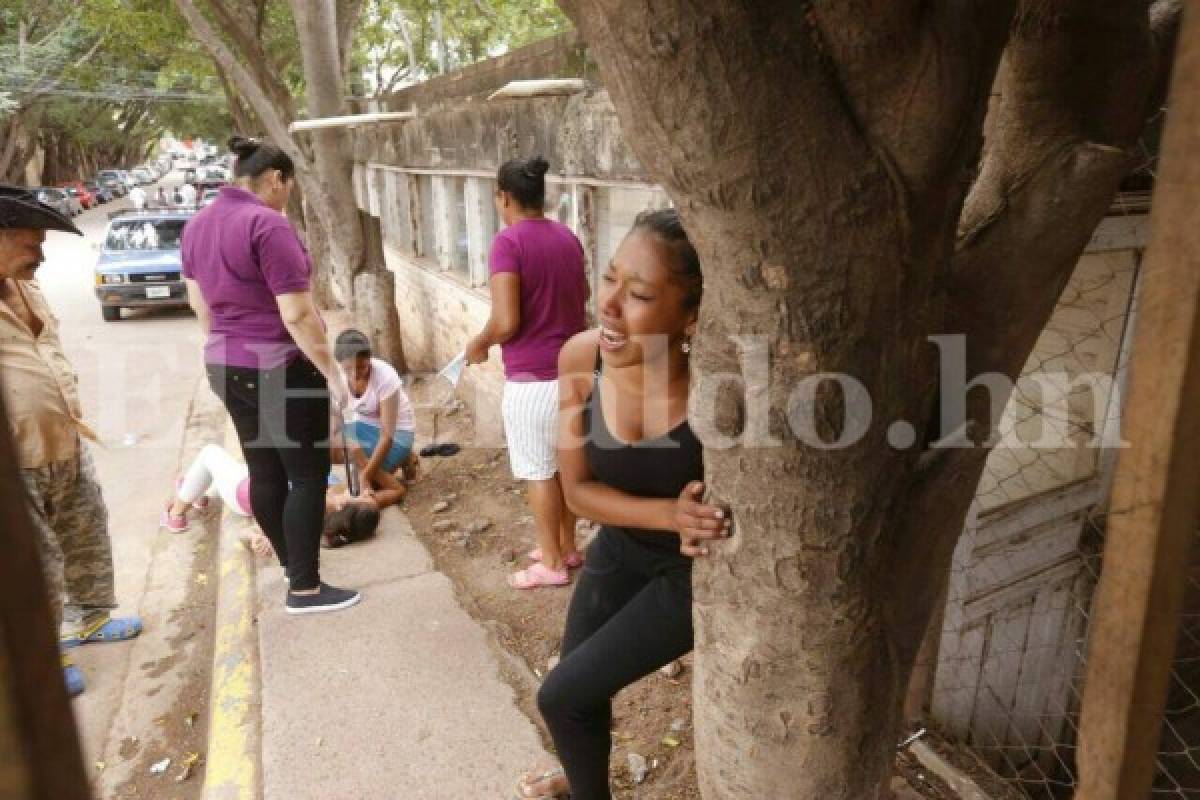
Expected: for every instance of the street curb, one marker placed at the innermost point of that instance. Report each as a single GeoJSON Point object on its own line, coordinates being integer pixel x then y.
{"type": "Point", "coordinates": [235, 718]}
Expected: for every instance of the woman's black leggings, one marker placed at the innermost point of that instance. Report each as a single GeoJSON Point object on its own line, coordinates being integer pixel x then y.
{"type": "Point", "coordinates": [282, 420]}
{"type": "Point", "coordinates": [631, 614]}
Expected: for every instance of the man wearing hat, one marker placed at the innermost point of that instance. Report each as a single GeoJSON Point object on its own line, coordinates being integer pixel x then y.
{"type": "Point", "coordinates": [45, 420]}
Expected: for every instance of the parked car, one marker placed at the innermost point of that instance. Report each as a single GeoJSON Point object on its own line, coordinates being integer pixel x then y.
{"type": "Point", "coordinates": [140, 263]}
{"type": "Point", "coordinates": [58, 199]}
{"type": "Point", "coordinates": [207, 196]}
{"type": "Point", "coordinates": [102, 193]}
{"type": "Point", "coordinates": [127, 179]}
{"type": "Point", "coordinates": [86, 197]}
{"type": "Point", "coordinates": [142, 176]}
{"type": "Point", "coordinates": [75, 199]}
{"type": "Point", "coordinates": [209, 178]}
{"type": "Point", "coordinates": [111, 179]}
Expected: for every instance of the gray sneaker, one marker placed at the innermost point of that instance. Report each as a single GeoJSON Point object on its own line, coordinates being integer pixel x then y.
{"type": "Point", "coordinates": [329, 598]}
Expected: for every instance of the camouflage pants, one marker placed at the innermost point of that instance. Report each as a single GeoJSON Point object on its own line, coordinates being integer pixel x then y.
{"type": "Point", "coordinates": [68, 510]}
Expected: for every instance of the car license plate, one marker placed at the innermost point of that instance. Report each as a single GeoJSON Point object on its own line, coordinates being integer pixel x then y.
{"type": "Point", "coordinates": [154, 292]}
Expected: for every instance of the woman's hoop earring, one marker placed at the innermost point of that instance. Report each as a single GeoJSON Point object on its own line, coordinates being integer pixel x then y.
{"type": "Point", "coordinates": [686, 345]}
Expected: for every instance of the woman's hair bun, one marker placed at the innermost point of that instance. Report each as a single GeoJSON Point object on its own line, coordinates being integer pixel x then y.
{"type": "Point", "coordinates": [537, 166]}
{"type": "Point", "coordinates": [242, 146]}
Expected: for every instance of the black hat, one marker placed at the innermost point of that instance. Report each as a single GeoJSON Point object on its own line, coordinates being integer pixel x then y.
{"type": "Point", "coordinates": [20, 208]}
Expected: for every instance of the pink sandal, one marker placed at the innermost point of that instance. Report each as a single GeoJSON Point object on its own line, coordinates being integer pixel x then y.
{"type": "Point", "coordinates": [571, 560]}
{"type": "Point", "coordinates": [537, 576]}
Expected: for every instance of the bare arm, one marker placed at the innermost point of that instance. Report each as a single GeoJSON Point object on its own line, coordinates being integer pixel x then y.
{"type": "Point", "coordinates": [389, 409]}
{"type": "Point", "coordinates": [299, 314]}
{"type": "Point", "coordinates": [196, 301]}
{"type": "Point", "coordinates": [505, 318]}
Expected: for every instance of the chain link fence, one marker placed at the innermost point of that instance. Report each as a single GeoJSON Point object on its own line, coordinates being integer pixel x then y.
{"type": "Point", "coordinates": [1011, 657]}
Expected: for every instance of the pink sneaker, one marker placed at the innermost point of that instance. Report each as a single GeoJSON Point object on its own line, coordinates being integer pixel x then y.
{"type": "Point", "coordinates": [173, 523]}
{"type": "Point", "coordinates": [201, 501]}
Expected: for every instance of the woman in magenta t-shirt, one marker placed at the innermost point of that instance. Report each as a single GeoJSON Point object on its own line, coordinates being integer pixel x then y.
{"type": "Point", "coordinates": [248, 279]}
{"type": "Point", "coordinates": [539, 294]}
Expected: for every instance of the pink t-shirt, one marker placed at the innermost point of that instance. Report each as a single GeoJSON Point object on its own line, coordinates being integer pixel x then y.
{"type": "Point", "coordinates": [383, 383]}
{"type": "Point", "coordinates": [554, 292]}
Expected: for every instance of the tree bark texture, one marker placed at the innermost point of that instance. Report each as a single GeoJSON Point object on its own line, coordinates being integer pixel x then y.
{"type": "Point", "coordinates": [824, 157]}
{"type": "Point", "coordinates": [333, 191]}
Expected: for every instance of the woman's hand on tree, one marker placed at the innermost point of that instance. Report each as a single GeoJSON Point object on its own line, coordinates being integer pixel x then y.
{"type": "Point", "coordinates": [696, 522]}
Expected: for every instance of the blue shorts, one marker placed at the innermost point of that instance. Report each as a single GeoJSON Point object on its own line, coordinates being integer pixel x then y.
{"type": "Point", "coordinates": [367, 437]}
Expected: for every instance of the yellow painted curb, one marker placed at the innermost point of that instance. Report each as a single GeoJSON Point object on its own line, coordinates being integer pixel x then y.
{"type": "Point", "coordinates": [234, 735]}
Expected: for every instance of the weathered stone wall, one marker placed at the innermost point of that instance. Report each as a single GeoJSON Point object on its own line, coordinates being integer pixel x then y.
{"type": "Point", "coordinates": [437, 317]}
{"type": "Point", "coordinates": [578, 134]}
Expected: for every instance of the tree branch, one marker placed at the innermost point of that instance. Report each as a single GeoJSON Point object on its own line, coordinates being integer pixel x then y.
{"type": "Point", "coordinates": [348, 14]}
{"type": "Point", "coordinates": [252, 52]}
{"type": "Point", "coordinates": [915, 67]}
{"type": "Point", "coordinates": [1072, 101]}
{"type": "Point", "coordinates": [275, 118]}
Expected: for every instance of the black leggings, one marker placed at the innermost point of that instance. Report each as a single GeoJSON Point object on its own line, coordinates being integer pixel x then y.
{"type": "Point", "coordinates": [282, 420]}
{"type": "Point", "coordinates": [631, 614]}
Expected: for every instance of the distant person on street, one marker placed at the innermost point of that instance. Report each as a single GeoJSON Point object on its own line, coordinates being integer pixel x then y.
{"type": "Point", "coordinates": [137, 196]}
{"type": "Point", "coordinates": [384, 424]}
{"type": "Point", "coordinates": [215, 473]}
{"type": "Point", "coordinates": [539, 292]}
{"type": "Point", "coordinates": [187, 195]}
{"type": "Point", "coordinates": [42, 400]}
{"type": "Point", "coordinates": [249, 280]}
{"type": "Point", "coordinates": [639, 474]}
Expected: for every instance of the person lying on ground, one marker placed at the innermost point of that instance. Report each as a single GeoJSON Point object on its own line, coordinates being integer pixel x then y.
{"type": "Point", "coordinates": [383, 427]}
{"type": "Point", "coordinates": [215, 473]}
{"type": "Point", "coordinates": [638, 473]}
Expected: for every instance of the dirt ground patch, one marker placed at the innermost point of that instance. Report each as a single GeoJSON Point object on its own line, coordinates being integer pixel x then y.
{"type": "Point", "coordinates": [184, 729]}
{"type": "Point", "coordinates": [482, 535]}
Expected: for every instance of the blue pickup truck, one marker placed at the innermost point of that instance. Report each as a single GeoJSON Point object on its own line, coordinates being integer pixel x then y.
{"type": "Point", "coordinates": [139, 264]}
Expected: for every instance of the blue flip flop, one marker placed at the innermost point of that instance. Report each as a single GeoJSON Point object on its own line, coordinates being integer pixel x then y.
{"type": "Point", "coordinates": [72, 676]}
{"type": "Point", "coordinates": [113, 629]}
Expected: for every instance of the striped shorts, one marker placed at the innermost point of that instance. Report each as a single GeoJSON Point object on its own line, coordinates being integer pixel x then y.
{"type": "Point", "coordinates": [530, 413]}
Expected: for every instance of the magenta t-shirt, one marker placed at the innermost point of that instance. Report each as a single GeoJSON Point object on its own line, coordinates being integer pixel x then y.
{"type": "Point", "coordinates": [554, 292]}
{"type": "Point", "coordinates": [243, 254]}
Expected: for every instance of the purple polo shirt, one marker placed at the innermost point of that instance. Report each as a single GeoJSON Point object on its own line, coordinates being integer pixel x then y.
{"type": "Point", "coordinates": [243, 254]}
{"type": "Point", "coordinates": [549, 260]}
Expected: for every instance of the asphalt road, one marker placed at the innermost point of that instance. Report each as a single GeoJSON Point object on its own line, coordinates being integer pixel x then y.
{"type": "Point", "coordinates": [137, 378]}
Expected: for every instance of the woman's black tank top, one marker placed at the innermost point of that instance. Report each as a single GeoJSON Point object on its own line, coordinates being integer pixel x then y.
{"type": "Point", "coordinates": [658, 467]}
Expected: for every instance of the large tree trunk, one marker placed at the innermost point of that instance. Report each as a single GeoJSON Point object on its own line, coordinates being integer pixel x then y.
{"type": "Point", "coordinates": [332, 194]}
{"type": "Point", "coordinates": [821, 155]}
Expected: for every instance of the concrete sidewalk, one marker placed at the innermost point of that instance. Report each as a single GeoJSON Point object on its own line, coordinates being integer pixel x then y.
{"type": "Point", "coordinates": [398, 698]}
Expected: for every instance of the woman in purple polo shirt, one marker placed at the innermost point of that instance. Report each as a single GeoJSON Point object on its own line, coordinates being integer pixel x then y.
{"type": "Point", "coordinates": [248, 279]}
{"type": "Point", "coordinates": [539, 294]}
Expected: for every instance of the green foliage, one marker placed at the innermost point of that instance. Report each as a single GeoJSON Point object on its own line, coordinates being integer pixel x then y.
{"type": "Point", "coordinates": [471, 30]}
{"type": "Point", "coordinates": [99, 75]}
